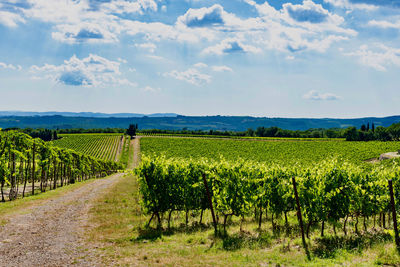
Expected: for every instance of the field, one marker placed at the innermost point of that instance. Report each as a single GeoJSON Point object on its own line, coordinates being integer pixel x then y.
{"type": "Point", "coordinates": [344, 200]}
{"type": "Point", "coordinates": [283, 152]}
{"type": "Point", "coordinates": [101, 146]}
{"type": "Point", "coordinates": [159, 214]}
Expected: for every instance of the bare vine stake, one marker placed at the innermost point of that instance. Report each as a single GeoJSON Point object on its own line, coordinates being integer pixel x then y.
{"type": "Point", "coordinates": [299, 217]}
{"type": "Point", "coordinates": [210, 202]}
{"type": "Point", "coordinates": [396, 231]}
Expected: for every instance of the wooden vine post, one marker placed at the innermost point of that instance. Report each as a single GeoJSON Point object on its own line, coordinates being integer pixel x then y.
{"type": "Point", "coordinates": [299, 217]}
{"type": "Point", "coordinates": [396, 231]}
{"type": "Point", "coordinates": [210, 203]}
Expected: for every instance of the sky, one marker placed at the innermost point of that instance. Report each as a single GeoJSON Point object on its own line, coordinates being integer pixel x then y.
{"type": "Point", "coordinates": [292, 58]}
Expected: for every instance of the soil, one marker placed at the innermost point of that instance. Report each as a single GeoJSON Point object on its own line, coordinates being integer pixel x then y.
{"type": "Point", "coordinates": [51, 234]}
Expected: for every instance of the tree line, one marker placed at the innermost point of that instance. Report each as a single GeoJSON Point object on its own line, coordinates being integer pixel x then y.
{"type": "Point", "coordinates": [367, 133]}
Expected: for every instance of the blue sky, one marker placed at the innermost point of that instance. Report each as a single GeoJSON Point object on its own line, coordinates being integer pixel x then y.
{"type": "Point", "coordinates": [325, 58]}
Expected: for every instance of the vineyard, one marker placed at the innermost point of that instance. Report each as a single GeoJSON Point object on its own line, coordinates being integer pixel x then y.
{"type": "Point", "coordinates": [101, 146]}
{"type": "Point", "coordinates": [280, 152]}
{"type": "Point", "coordinates": [29, 165]}
{"type": "Point", "coordinates": [344, 202]}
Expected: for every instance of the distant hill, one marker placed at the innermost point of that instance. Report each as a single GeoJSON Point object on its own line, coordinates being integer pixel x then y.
{"type": "Point", "coordinates": [178, 122]}
{"type": "Point", "coordinates": [83, 114]}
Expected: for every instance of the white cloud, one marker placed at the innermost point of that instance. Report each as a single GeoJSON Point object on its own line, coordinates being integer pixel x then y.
{"type": "Point", "coordinates": [346, 4]}
{"type": "Point", "coordinates": [315, 95]}
{"type": "Point", "coordinates": [151, 47]}
{"type": "Point", "coordinates": [155, 57]}
{"type": "Point", "coordinates": [122, 6]}
{"type": "Point", "coordinates": [77, 21]}
{"type": "Point", "coordinates": [231, 45]}
{"type": "Point", "coordinates": [191, 75]}
{"type": "Point", "coordinates": [379, 57]}
{"type": "Point", "coordinates": [9, 66]}
{"type": "Point", "coordinates": [200, 65]}
{"type": "Point", "coordinates": [10, 19]}
{"type": "Point", "coordinates": [57, 11]}
{"type": "Point", "coordinates": [222, 69]}
{"type": "Point", "coordinates": [306, 26]}
{"type": "Point", "coordinates": [122, 60]}
{"type": "Point", "coordinates": [151, 89]}
{"type": "Point", "coordinates": [203, 17]}
{"type": "Point", "coordinates": [293, 28]}
{"type": "Point", "coordinates": [92, 71]}
{"type": "Point", "coordinates": [384, 24]}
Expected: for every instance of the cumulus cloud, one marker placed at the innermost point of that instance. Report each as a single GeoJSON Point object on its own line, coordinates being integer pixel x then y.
{"type": "Point", "coordinates": [384, 24]}
{"type": "Point", "coordinates": [10, 19]}
{"type": "Point", "coordinates": [9, 66]}
{"type": "Point", "coordinates": [126, 7]}
{"type": "Point", "coordinates": [191, 75]}
{"type": "Point", "coordinates": [203, 17]}
{"type": "Point", "coordinates": [92, 71]}
{"type": "Point", "coordinates": [222, 69]}
{"type": "Point", "coordinates": [151, 89]}
{"type": "Point", "coordinates": [198, 74]}
{"type": "Point", "coordinates": [388, 3]}
{"type": "Point", "coordinates": [200, 65]}
{"type": "Point", "coordinates": [151, 47]}
{"type": "Point", "coordinates": [155, 57]}
{"type": "Point", "coordinates": [231, 45]}
{"type": "Point", "coordinates": [351, 5]}
{"type": "Point", "coordinates": [318, 96]}
{"type": "Point", "coordinates": [294, 28]}
{"type": "Point", "coordinates": [86, 21]}
{"type": "Point", "coordinates": [307, 12]}
{"type": "Point", "coordinates": [379, 57]}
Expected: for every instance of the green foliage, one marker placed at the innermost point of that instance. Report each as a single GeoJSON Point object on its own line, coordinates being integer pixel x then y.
{"type": "Point", "coordinates": [101, 146]}
{"type": "Point", "coordinates": [284, 152]}
{"type": "Point", "coordinates": [328, 191]}
{"type": "Point", "coordinates": [24, 159]}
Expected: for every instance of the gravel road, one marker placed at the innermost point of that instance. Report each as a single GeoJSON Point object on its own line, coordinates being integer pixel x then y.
{"type": "Point", "coordinates": [51, 234]}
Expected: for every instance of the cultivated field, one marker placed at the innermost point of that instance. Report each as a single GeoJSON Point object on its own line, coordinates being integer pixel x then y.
{"type": "Point", "coordinates": [344, 201]}
{"type": "Point", "coordinates": [285, 152]}
{"type": "Point", "coordinates": [101, 146]}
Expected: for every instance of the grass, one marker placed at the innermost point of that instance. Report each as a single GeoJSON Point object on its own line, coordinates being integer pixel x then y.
{"type": "Point", "coordinates": [126, 152]}
{"type": "Point", "coordinates": [120, 226]}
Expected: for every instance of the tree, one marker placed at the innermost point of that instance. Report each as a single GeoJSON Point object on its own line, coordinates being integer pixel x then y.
{"type": "Point", "coordinates": [368, 127]}
{"type": "Point", "coordinates": [351, 134]}
{"type": "Point", "coordinates": [373, 127]}
{"type": "Point", "coordinates": [363, 128]}
{"type": "Point", "coordinates": [55, 137]}
{"type": "Point", "coordinates": [131, 131]}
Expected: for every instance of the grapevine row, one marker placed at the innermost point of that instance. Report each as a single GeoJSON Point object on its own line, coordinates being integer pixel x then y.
{"type": "Point", "coordinates": [26, 162]}
{"type": "Point", "coordinates": [330, 191]}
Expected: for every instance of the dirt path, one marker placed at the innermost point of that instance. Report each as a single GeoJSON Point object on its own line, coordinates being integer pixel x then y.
{"type": "Point", "coordinates": [51, 234]}
{"type": "Point", "coordinates": [135, 160]}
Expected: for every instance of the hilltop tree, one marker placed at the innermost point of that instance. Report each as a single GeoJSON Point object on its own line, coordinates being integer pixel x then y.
{"type": "Point", "coordinates": [131, 131]}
